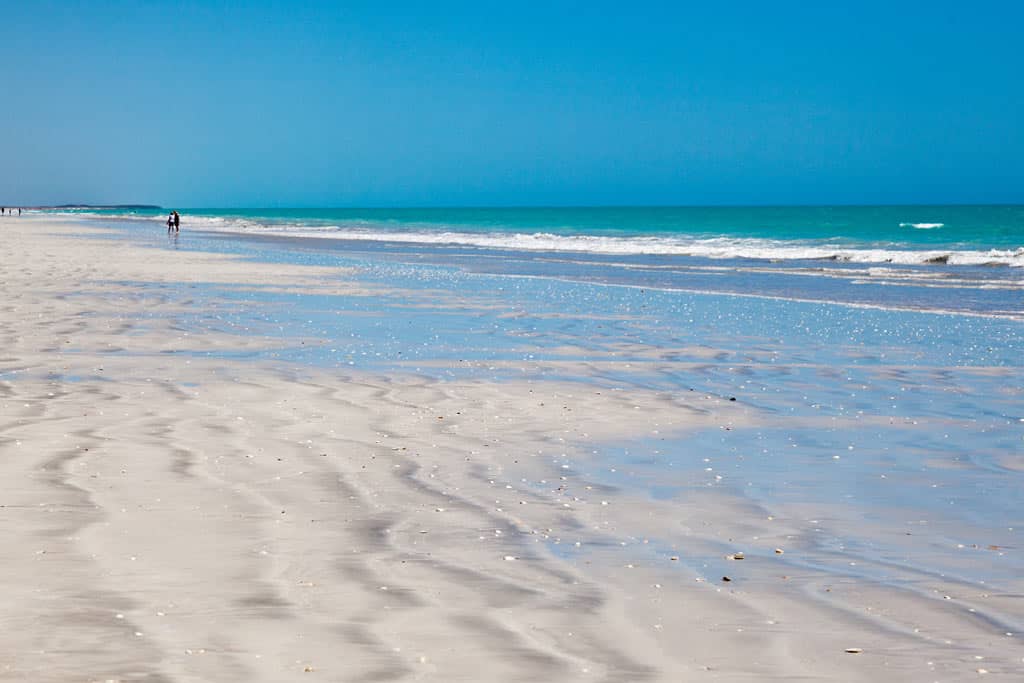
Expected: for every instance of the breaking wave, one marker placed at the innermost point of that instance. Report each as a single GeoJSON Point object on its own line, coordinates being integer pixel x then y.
{"type": "Point", "coordinates": [678, 245]}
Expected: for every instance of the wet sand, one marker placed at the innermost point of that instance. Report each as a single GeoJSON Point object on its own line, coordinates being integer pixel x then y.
{"type": "Point", "coordinates": [170, 515]}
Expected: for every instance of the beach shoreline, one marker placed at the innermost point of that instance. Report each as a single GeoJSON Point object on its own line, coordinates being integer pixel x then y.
{"type": "Point", "coordinates": [180, 503]}
{"type": "Point", "coordinates": [969, 267]}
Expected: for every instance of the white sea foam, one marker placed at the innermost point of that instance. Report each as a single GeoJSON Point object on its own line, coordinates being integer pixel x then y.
{"type": "Point", "coordinates": [711, 248]}
{"type": "Point", "coordinates": [922, 226]}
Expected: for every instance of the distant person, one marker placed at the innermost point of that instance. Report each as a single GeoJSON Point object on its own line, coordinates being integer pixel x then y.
{"type": "Point", "coordinates": [177, 220]}
{"type": "Point", "coordinates": [2, 209]}
{"type": "Point", "coordinates": [170, 222]}
{"type": "Point", "coordinates": [19, 210]}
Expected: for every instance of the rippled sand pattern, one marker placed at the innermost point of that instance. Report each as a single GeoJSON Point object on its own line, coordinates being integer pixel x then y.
{"type": "Point", "coordinates": [169, 517]}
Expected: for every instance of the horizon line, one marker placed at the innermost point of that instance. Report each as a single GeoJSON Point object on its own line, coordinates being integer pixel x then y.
{"type": "Point", "coordinates": [354, 207]}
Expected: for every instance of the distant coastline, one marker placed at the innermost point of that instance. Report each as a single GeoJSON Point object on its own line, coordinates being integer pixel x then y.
{"type": "Point", "coordinates": [100, 206]}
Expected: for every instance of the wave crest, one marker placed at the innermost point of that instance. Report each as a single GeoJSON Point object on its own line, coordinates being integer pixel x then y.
{"type": "Point", "coordinates": [710, 248]}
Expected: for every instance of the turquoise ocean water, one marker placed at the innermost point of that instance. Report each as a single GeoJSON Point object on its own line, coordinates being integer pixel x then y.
{"type": "Point", "coordinates": [965, 234]}
{"type": "Point", "coordinates": [965, 259]}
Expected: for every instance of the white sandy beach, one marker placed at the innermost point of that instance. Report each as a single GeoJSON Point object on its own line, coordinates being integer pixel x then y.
{"type": "Point", "coordinates": [167, 516]}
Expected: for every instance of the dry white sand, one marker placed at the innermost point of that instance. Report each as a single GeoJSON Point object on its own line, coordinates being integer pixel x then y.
{"type": "Point", "coordinates": [169, 517]}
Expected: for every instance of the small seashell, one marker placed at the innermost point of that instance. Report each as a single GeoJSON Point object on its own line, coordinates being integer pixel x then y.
{"type": "Point", "coordinates": [510, 558]}
{"type": "Point", "coordinates": [779, 551]}
{"type": "Point", "coordinates": [726, 578]}
{"type": "Point", "coordinates": [735, 556]}
{"type": "Point", "coordinates": [853, 650]}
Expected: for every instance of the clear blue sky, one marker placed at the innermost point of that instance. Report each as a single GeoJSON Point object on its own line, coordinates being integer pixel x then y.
{"type": "Point", "coordinates": [455, 103]}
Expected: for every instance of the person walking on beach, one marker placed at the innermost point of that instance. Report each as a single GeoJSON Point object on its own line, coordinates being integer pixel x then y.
{"type": "Point", "coordinates": [177, 220]}
{"type": "Point", "coordinates": [170, 222]}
